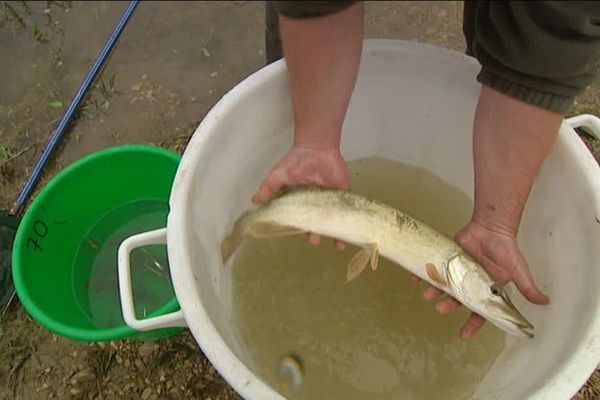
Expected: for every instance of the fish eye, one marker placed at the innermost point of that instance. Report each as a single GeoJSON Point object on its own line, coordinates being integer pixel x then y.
{"type": "Point", "coordinates": [496, 289]}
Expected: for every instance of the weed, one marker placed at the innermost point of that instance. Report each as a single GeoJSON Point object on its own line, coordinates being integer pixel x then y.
{"type": "Point", "coordinates": [13, 341]}
{"type": "Point", "coordinates": [205, 42]}
{"type": "Point", "coordinates": [8, 13]}
{"type": "Point", "coordinates": [38, 35]}
{"type": "Point", "coordinates": [106, 90]}
{"type": "Point", "coordinates": [4, 155]}
{"type": "Point", "coordinates": [55, 104]}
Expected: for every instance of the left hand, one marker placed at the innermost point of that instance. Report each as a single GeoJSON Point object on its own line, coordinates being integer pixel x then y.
{"type": "Point", "coordinates": [307, 165]}
{"type": "Point", "coordinates": [497, 250]}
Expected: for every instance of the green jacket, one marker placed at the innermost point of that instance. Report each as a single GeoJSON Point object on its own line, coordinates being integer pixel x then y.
{"type": "Point", "coordinates": [542, 52]}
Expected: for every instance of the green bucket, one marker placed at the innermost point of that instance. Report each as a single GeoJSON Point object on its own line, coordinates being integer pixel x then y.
{"type": "Point", "coordinates": [65, 250]}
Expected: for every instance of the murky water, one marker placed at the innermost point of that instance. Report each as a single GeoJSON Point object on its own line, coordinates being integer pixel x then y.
{"type": "Point", "coordinates": [95, 264]}
{"type": "Point", "coordinates": [375, 337]}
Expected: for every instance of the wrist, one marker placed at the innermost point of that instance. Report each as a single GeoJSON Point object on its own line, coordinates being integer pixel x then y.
{"type": "Point", "coordinates": [318, 139]}
{"type": "Point", "coordinates": [496, 223]}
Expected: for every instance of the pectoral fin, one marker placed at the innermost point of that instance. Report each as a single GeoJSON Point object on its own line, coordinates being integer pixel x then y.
{"type": "Point", "coordinates": [374, 257]}
{"type": "Point", "coordinates": [434, 275]}
{"type": "Point", "coordinates": [264, 230]}
{"type": "Point", "coordinates": [360, 261]}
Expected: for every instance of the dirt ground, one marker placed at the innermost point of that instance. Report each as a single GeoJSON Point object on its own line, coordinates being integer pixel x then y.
{"type": "Point", "coordinates": [173, 62]}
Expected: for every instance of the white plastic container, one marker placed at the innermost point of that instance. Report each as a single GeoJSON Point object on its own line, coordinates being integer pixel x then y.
{"type": "Point", "coordinates": [414, 103]}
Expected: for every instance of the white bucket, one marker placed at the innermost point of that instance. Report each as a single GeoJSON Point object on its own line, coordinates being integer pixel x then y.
{"type": "Point", "coordinates": [413, 103]}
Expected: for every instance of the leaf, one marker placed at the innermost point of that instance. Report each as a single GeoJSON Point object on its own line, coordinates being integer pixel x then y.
{"type": "Point", "coordinates": [111, 82]}
{"type": "Point", "coordinates": [38, 35]}
{"type": "Point", "coordinates": [85, 113]}
{"type": "Point", "coordinates": [36, 30]}
{"type": "Point", "coordinates": [102, 89]}
{"type": "Point", "coordinates": [55, 104]}
{"type": "Point", "coordinates": [4, 153]}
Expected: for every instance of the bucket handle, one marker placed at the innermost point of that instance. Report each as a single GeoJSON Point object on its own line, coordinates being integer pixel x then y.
{"type": "Point", "coordinates": [172, 320]}
{"type": "Point", "coordinates": [589, 122]}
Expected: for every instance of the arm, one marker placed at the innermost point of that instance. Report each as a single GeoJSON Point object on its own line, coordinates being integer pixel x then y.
{"type": "Point", "coordinates": [511, 139]}
{"type": "Point", "coordinates": [536, 58]}
{"type": "Point", "coordinates": [322, 54]}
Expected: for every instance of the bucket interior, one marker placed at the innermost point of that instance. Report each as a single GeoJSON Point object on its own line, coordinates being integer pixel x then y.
{"type": "Point", "coordinates": [66, 247]}
{"type": "Point", "coordinates": [414, 104]}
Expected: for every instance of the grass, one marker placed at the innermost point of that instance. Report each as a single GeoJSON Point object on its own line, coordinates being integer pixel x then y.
{"type": "Point", "coordinates": [14, 340]}
{"type": "Point", "coordinates": [98, 99]}
{"type": "Point", "coordinates": [4, 153]}
{"type": "Point", "coordinates": [21, 17]}
{"type": "Point", "coordinates": [8, 14]}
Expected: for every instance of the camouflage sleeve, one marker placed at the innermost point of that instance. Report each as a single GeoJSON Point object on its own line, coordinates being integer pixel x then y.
{"type": "Point", "coordinates": [309, 9]}
{"type": "Point", "coordinates": [543, 53]}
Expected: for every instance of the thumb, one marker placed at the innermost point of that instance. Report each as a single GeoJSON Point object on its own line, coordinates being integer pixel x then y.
{"type": "Point", "coordinates": [524, 282]}
{"type": "Point", "coordinates": [271, 185]}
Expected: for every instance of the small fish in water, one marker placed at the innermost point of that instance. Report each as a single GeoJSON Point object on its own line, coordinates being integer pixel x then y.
{"type": "Point", "coordinates": [380, 229]}
{"type": "Point", "coordinates": [291, 365]}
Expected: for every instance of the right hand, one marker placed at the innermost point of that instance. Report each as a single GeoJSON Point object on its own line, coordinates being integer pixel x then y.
{"type": "Point", "coordinates": [306, 165]}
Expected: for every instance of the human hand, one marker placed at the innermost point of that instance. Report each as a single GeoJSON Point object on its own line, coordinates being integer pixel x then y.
{"type": "Point", "coordinates": [306, 165]}
{"type": "Point", "coordinates": [497, 250]}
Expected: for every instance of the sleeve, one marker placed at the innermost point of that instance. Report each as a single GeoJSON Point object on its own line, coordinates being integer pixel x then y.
{"type": "Point", "coordinates": [310, 9]}
{"type": "Point", "coordinates": [543, 53]}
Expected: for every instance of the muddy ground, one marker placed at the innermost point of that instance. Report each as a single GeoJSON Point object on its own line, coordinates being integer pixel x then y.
{"type": "Point", "coordinates": [173, 62]}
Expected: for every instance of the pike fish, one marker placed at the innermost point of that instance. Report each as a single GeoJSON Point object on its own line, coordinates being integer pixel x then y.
{"type": "Point", "coordinates": [379, 229]}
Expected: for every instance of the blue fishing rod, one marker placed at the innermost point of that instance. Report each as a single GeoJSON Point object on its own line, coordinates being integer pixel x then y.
{"type": "Point", "coordinates": [33, 180]}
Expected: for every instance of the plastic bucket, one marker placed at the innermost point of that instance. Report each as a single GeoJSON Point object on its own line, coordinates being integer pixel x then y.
{"type": "Point", "coordinates": [413, 103]}
{"type": "Point", "coordinates": [65, 250]}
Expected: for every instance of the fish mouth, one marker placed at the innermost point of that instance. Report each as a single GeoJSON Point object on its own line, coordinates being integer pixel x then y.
{"type": "Point", "coordinates": [518, 319]}
{"type": "Point", "coordinates": [508, 317]}
{"type": "Point", "coordinates": [527, 329]}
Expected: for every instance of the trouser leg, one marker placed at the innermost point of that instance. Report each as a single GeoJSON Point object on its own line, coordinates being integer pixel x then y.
{"type": "Point", "coordinates": [273, 50]}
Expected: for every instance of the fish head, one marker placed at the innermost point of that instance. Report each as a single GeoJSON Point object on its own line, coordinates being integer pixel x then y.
{"type": "Point", "coordinates": [475, 288]}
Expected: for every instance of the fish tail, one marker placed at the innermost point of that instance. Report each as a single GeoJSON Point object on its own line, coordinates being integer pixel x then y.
{"type": "Point", "coordinates": [235, 239]}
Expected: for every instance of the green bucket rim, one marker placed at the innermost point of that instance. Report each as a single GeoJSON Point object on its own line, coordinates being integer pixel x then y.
{"type": "Point", "coordinates": [96, 334]}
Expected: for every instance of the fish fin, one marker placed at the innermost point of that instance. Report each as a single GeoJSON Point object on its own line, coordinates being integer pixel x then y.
{"type": "Point", "coordinates": [374, 256]}
{"type": "Point", "coordinates": [232, 242]}
{"type": "Point", "coordinates": [258, 230]}
{"type": "Point", "coordinates": [434, 275]}
{"type": "Point", "coordinates": [264, 230]}
{"type": "Point", "coordinates": [358, 263]}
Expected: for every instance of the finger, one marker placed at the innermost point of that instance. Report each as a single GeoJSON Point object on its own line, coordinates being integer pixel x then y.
{"type": "Point", "coordinates": [474, 323]}
{"type": "Point", "coordinates": [314, 239]}
{"type": "Point", "coordinates": [524, 282]}
{"type": "Point", "coordinates": [415, 279]}
{"type": "Point", "coordinates": [432, 293]}
{"type": "Point", "coordinates": [447, 306]}
{"type": "Point", "coordinates": [271, 185]}
{"type": "Point", "coordinates": [339, 245]}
